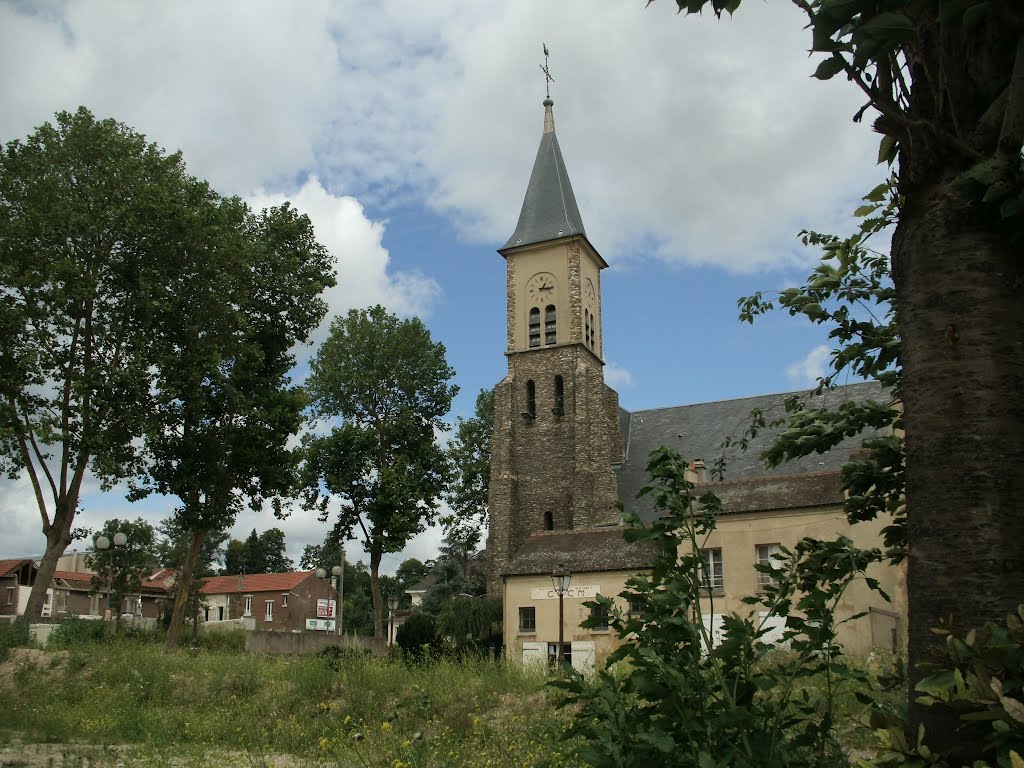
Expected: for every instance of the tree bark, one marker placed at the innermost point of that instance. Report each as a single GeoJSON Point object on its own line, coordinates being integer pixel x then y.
{"type": "Point", "coordinates": [960, 307]}
{"type": "Point", "coordinates": [58, 537]}
{"type": "Point", "coordinates": [184, 585]}
{"type": "Point", "coordinates": [378, 602]}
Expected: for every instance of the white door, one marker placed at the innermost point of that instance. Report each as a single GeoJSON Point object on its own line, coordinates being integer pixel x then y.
{"type": "Point", "coordinates": [583, 656]}
{"type": "Point", "coordinates": [775, 625]}
{"type": "Point", "coordinates": [535, 653]}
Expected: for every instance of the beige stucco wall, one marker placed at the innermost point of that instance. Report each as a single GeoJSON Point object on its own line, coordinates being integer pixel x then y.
{"type": "Point", "coordinates": [571, 263]}
{"type": "Point", "coordinates": [738, 536]}
{"type": "Point", "coordinates": [519, 593]}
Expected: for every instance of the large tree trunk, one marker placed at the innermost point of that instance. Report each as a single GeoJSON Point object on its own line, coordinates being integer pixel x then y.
{"type": "Point", "coordinates": [58, 537]}
{"type": "Point", "coordinates": [184, 586]}
{"type": "Point", "coordinates": [378, 602]}
{"type": "Point", "coordinates": [960, 304]}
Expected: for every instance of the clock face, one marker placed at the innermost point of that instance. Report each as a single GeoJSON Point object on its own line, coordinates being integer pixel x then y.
{"type": "Point", "coordinates": [541, 289]}
{"type": "Point", "coordinates": [589, 295]}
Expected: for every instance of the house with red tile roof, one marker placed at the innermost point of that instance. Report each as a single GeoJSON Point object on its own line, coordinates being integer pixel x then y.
{"type": "Point", "coordinates": [16, 580]}
{"type": "Point", "coordinates": [266, 601]}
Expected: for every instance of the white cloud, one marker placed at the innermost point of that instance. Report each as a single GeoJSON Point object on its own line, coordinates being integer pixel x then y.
{"type": "Point", "coordinates": [706, 140]}
{"type": "Point", "coordinates": [806, 372]}
{"type": "Point", "coordinates": [342, 226]}
{"type": "Point", "coordinates": [616, 377]}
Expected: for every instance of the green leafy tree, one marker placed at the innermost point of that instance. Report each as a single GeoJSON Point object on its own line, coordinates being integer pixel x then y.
{"type": "Point", "coordinates": [94, 231]}
{"type": "Point", "coordinates": [471, 622]}
{"type": "Point", "coordinates": [259, 553]}
{"type": "Point", "coordinates": [227, 408]}
{"type": "Point", "coordinates": [945, 81]}
{"type": "Point", "coordinates": [470, 456]}
{"type": "Point", "coordinates": [409, 572]}
{"type": "Point", "coordinates": [456, 572]}
{"type": "Point", "coordinates": [119, 570]}
{"type": "Point", "coordinates": [387, 382]}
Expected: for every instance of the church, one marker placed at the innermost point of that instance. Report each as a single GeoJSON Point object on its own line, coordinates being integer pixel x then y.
{"type": "Point", "coordinates": [566, 459]}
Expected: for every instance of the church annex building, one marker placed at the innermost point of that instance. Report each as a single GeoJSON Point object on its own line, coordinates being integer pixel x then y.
{"type": "Point", "coordinates": [565, 456]}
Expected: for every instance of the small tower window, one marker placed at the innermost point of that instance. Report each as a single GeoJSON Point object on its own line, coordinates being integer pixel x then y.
{"type": "Point", "coordinates": [559, 409]}
{"type": "Point", "coordinates": [535, 327]}
{"type": "Point", "coordinates": [549, 324]}
{"type": "Point", "coordinates": [549, 521]}
{"type": "Point", "coordinates": [591, 330]}
{"type": "Point", "coordinates": [531, 399]}
{"type": "Point", "coordinates": [586, 327]}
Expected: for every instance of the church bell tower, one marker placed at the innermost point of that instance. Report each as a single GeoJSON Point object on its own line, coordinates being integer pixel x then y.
{"type": "Point", "coordinates": [556, 429]}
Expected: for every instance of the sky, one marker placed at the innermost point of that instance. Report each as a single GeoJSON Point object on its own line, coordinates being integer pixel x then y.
{"type": "Point", "coordinates": [697, 150]}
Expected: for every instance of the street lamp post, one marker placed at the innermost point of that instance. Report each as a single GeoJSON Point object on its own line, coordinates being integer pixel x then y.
{"type": "Point", "coordinates": [392, 607]}
{"type": "Point", "coordinates": [560, 580]}
{"type": "Point", "coordinates": [336, 574]}
{"type": "Point", "coordinates": [103, 544]}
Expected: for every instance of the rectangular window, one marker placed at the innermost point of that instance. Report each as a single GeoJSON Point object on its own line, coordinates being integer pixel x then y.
{"type": "Point", "coordinates": [637, 608]}
{"type": "Point", "coordinates": [714, 579]}
{"type": "Point", "coordinates": [60, 601]}
{"type": "Point", "coordinates": [600, 613]}
{"type": "Point", "coordinates": [270, 611]}
{"type": "Point", "coordinates": [284, 600]}
{"type": "Point", "coordinates": [764, 557]}
{"type": "Point", "coordinates": [10, 595]}
{"type": "Point", "coordinates": [528, 619]}
{"type": "Point", "coordinates": [248, 606]}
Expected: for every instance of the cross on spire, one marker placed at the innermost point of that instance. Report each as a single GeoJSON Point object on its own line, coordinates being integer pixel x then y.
{"type": "Point", "coordinates": [548, 79]}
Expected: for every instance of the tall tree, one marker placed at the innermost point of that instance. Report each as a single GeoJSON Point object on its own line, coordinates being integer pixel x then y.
{"type": "Point", "coordinates": [227, 408]}
{"type": "Point", "coordinates": [470, 456]}
{"type": "Point", "coordinates": [174, 544]}
{"type": "Point", "coordinates": [387, 382]}
{"type": "Point", "coordinates": [259, 553]}
{"type": "Point", "coordinates": [120, 569]}
{"type": "Point", "coordinates": [93, 225]}
{"type": "Point", "coordinates": [946, 80]}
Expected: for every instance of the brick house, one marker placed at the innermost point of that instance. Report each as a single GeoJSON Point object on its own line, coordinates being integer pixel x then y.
{"type": "Point", "coordinates": [279, 602]}
{"type": "Point", "coordinates": [16, 580]}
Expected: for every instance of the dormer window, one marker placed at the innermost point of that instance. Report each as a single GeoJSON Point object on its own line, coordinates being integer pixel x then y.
{"type": "Point", "coordinates": [535, 327]}
{"type": "Point", "coordinates": [549, 325]}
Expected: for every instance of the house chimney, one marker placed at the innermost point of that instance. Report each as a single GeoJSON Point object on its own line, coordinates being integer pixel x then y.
{"type": "Point", "coordinates": [696, 472]}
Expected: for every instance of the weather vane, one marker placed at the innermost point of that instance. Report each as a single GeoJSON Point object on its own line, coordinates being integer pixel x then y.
{"type": "Point", "coordinates": [548, 79]}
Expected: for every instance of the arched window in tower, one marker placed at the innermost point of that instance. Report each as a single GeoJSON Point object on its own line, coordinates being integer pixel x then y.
{"type": "Point", "coordinates": [549, 521]}
{"type": "Point", "coordinates": [559, 409]}
{"type": "Point", "coordinates": [591, 330]}
{"type": "Point", "coordinates": [549, 324]}
{"type": "Point", "coordinates": [535, 327]}
{"type": "Point", "coordinates": [531, 399]}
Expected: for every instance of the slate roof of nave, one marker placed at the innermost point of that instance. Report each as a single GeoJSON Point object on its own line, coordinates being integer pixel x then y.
{"type": "Point", "coordinates": [697, 431]}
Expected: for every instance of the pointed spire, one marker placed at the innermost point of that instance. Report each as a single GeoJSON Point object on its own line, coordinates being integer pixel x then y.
{"type": "Point", "coordinates": [549, 208]}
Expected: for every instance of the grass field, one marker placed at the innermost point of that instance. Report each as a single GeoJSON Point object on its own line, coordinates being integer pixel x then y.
{"type": "Point", "coordinates": [128, 703]}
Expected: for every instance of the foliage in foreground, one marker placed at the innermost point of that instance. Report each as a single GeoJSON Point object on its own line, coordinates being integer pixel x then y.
{"type": "Point", "coordinates": [693, 699]}
{"type": "Point", "coordinates": [348, 710]}
{"type": "Point", "coordinates": [980, 678]}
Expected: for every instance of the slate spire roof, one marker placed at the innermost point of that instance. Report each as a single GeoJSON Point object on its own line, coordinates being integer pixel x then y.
{"type": "Point", "coordinates": [549, 208]}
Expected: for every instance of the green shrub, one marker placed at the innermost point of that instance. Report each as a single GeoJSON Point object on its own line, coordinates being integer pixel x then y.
{"type": "Point", "coordinates": [980, 677]}
{"type": "Point", "coordinates": [222, 640]}
{"type": "Point", "coordinates": [684, 696]}
{"type": "Point", "coordinates": [74, 631]}
{"type": "Point", "coordinates": [417, 635]}
{"type": "Point", "coordinates": [13, 634]}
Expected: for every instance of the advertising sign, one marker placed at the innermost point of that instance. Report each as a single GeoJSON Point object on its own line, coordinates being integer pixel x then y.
{"type": "Point", "coordinates": [320, 625]}
{"type": "Point", "coordinates": [584, 591]}
{"type": "Point", "coordinates": [325, 609]}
